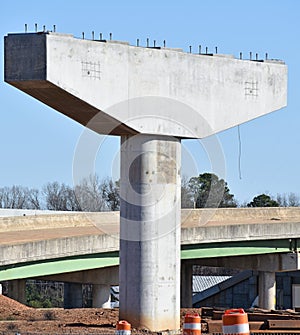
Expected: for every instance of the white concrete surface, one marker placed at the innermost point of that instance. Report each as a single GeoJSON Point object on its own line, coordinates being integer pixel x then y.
{"type": "Point", "coordinates": [143, 90]}
{"type": "Point", "coordinates": [8, 212]}
{"type": "Point", "coordinates": [267, 290]}
{"type": "Point", "coordinates": [150, 232]}
{"type": "Point", "coordinates": [222, 225]}
{"type": "Point", "coordinates": [107, 276]}
{"type": "Point", "coordinates": [101, 296]}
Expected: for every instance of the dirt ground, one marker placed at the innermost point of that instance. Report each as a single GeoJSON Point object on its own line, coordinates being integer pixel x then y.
{"type": "Point", "coordinates": [18, 318]}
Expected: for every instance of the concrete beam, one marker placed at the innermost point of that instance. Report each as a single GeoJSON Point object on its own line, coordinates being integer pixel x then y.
{"type": "Point", "coordinates": [242, 231]}
{"type": "Point", "coordinates": [194, 95]}
{"type": "Point", "coordinates": [22, 252]}
{"type": "Point", "coordinates": [102, 276]}
{"type": "Point", "coordinates": [14, 219]}
{"type": "Point", "coordinates": [198, 226]}
{"type": "Point", "coordinates": [268, 262]}
{"type": "Point", "coordinates": [57, 248]}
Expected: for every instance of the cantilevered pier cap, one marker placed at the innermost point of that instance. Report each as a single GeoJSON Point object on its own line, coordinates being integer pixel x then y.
{"type": "Point", "coordinates": [81, 78]}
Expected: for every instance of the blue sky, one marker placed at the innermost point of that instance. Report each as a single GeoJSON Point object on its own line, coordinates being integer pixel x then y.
{"type": "Point", "coordinates": [38, 143]}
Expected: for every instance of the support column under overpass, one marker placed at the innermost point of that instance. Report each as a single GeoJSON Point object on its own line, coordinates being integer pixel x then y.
{"type": "Point", "coordinates": [266, 264]}
{"type": "Point", "coordinates": [186, 285]}
{"type": "Point", "coordinates": [17, 290]}
{"type": "Point", "coordinates": [102, 279]}
{"type": "Point", "coordinates": [73, 295]}
{"type": "Point", "coordinates": [101, 296]}
{"type": "Point", "coordinates": [267, 290]}
{"type": "Point", "coordinates": [150, 232]}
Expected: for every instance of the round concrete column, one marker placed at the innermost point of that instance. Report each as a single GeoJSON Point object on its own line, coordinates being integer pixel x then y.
{"type": "Point", "coordinates": [17, 290]}
{"type": "Point", "coordinates": [73, 295]}
{"type": "Point", "coordinates": [186, 291]}
{"type": "Point", "coordinates": [101, 296]}
{"type": "Point", "coordinates": [150, 232]}
{"type": "Point", "coordinates": [267, 290]}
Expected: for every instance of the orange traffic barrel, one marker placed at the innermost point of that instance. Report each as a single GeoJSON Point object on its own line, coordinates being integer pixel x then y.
{"type": "Point", "coordinates": [123, 328]}
{"type": "Point", "coordinates": [235, 321]}
{"type": "Point", "coordinates": [192, 324]}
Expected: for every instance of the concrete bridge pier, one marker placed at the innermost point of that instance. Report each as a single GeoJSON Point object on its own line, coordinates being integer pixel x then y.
{"type": "Point", "coordinates": [150, 232]}
{"type": "Point", "coordinates": [267, 290]}
{"type": "Point", "coordinates": [186, 291]}
{"type": "Point", "coordinates": [73, 295]}
{"type": "Point", "coordinates": [17, 290]}
{"type": "Point", "coordinates": [101, 296]}
{"type": "Point", "coordinates": [57, 70]}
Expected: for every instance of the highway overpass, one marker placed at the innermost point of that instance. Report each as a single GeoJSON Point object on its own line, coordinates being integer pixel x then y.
{"type": "Point", "coordinates": [83, 247]}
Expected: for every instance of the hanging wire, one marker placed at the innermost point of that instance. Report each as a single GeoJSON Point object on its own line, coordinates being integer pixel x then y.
{"type": "Point", "coordinates": [240, 152]}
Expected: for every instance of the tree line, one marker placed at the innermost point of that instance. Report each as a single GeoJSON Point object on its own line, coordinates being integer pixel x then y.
{"type": "Point", "coordinates": [94, 195]}
{"type": "Point", "coordinates": [91, 195]}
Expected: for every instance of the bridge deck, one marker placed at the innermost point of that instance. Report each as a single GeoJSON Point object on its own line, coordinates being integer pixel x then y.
{"type": "Point", "coordinates": [48, 244]}
{"type": "Point", "coordinates": [21, 229]}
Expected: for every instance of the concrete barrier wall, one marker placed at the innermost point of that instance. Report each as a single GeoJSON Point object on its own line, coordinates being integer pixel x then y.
{"type": "Point", "coordinates": [225, 225]}
{"type": "Point", "coordinates": [48, 220]}
{"type": "Point", "coordinates": [189, 218]}
{"type": "Point", "coordinates": [57, 248]}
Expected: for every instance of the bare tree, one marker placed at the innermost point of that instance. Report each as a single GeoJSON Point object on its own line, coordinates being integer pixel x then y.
{"type": "Point", "coordinates": [53, 197]}
{"type": "Point", "coordinates": [60, 197]}
{"type": "Point", "coordinates": [281, 199]}
{"type": "Point", "coordinates": [89, 194]}
{"type": "Point", "coordinates": [288, 200]}
{"type": "Point", "coordinates": [33, 199]}
{"type": "Point", "coordinates": [293, 200]}
{"type": "Point", "coordinates": [15, 197]}
{"type": "Point", "coordinates": [72, 203]}
{"type": "Point", "coordinates": [187, 197]}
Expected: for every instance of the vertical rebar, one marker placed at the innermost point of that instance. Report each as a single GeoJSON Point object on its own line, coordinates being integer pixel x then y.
{"type": "Point", "coordinates": [164, 43]}
{"type": "Point", "coordinates": [250, 55]}
{"type": "Point", "coordinates": [266, 56]}
{"type": "Point", "coordinates": [154, 43]}
{"type": "Point", "coordinates": [93, 35]}
{"type": "Point", "coordinates": [25, 27]}
{"type": "Point", "coordinates": [206, 50]}
{"type": "Point", "coordinates": [54, 28]}
{"type": "Point", "coordinates": [199, 49]}
{"type": "Point", "coordinates": [100, 36]}
{"type": "Point", "coordinates": [110, 36]}
{"type": "Point", "coordinates": [216, 50]}
{"type": "Point", "coordinates": [36, 27]}
{"type": "Point", "coordinates": [83, 35]}
{"type": "Point", "coordinates": [256, 56]}
{"type": "Point", "coordinates": [137, 42]}
{"type": "Point", "coordinates": [190, 49]}
{"type": "Point", "coordinates": [241, 55]}
{"type": "Point", "coordinates": [147, 42]}
{"type": "Point", "coordinates": [44, 28]}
